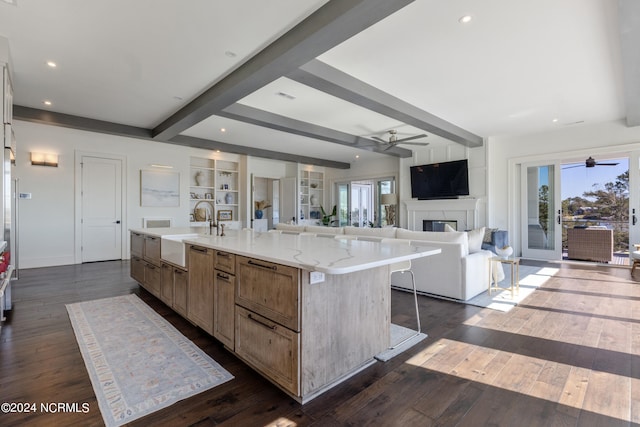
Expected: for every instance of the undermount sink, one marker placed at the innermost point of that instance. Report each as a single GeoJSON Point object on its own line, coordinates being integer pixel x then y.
{"type": "Point", "coordinates": [172, 248]}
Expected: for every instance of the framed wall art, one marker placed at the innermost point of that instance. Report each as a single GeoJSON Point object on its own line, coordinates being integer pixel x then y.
{"type": "Point", "coordinates": [159, 188]}
{"type": "Point", "coordinates": [225, 215]}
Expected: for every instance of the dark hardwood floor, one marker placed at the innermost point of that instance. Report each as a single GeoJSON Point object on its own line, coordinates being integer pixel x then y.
{"type": "Point", "coordinates": [567, 356]}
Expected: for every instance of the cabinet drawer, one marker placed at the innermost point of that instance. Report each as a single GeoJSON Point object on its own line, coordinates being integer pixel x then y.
{"type": "Point", "coordinates": [180, 289]}
{"type": "Point", "coordinates": [152, 278]}
{"type": "Point", "coordinates": [269, 348]}
{"type": "Point", "coordinates": [137, 245]}
{"type": "Point", "coordinates": [166, 284]}
{"type": "Point", "coordinates": [225, 262]}
{"type": "Point", "coordinates": [152, 249]}
{"type": "Point", "coordinates": [137, 269]}
{"type": "Point", "coordinates": [224, 288]}
{"type": "Point", "coordinates": [271, 290]}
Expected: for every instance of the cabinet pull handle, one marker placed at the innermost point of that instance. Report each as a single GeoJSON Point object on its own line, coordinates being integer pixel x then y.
{"type": "Point", "coordinates": [197, 249]}
{"type": "Point", "coordinates": [151, 238]}
{"type": "Point", "coordinates": [223, 254]}
{"type": "Point", "coordinates": [272, 327]}
{"type": "Point", "coordinates": [175, 270]}
{"type": "Point", "coordinates": [151, 266]}
{"type": "Point", "coordinates": [223, 276]}
{"type": "Point", "coordinates": [257, 264]}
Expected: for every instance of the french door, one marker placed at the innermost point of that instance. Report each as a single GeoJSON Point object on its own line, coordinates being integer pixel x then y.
{"type": "Point", "coordinates": [541, 211]}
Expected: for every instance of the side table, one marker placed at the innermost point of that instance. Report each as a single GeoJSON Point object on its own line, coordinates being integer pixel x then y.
{"type": "Point", "coordinates": [515, 274]}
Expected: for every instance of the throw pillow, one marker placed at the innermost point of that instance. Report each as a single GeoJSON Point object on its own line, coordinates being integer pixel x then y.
{"type": "Point", "coordinates": [447, 227]}
{"type": "Point", "coordinates": [488, 233]}
{"type": "Point", "coordinates": [475, 239]}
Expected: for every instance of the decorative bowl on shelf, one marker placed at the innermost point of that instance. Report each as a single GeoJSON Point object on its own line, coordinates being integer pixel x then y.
{"type": "Point", "coordinates": [504, 252]}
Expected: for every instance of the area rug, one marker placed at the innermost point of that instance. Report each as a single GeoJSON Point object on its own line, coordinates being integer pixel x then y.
{"type": "Point", "coordinates": [137, 361]}
{"type": "Point", "coordinates": [530, 279]}
{"type": "Point", "coordinates": [398, 334]}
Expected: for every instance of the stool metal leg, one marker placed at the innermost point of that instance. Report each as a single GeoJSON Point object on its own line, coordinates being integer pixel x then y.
{"type": "Point", "coordinates": [415, 298]}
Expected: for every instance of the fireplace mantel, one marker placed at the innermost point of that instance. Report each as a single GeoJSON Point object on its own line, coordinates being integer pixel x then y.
{"type": "Point", "coordinates": [464, 211]}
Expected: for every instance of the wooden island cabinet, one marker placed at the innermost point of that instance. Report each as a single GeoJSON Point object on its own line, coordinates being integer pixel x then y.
{"type": "Point", "coordinates": [306, 327]}
{"type": "Point", "coordinates": [200, 294]}
{"type": "Point", "coordinates": [224, 291]}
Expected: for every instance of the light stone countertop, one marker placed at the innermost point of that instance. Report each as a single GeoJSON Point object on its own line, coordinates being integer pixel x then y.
{"type": "Point", "coordinates": [322, 254]}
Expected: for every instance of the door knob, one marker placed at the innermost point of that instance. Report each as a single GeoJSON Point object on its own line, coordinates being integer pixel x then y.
{"type": "Point", "coordinates": [117, 222]}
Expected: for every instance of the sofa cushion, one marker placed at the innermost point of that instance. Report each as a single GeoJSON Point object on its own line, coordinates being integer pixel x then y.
{"type": "Point", "coordinates": [475, 239]}
{"type": "Point", "coordinates": [367, 231]}
{"type": "Point", "coordinates": [323, 230]}
{"type": "Point", "coordinates": [289, 227]}
{"type": "Point", "coordinates": [437, 236]}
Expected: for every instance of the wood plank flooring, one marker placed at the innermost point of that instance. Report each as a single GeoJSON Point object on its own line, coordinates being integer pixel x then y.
{"type": "Point", "coordinates": [568, 355]}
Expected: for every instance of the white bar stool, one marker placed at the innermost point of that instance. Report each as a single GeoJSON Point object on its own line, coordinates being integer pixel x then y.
{"type": "Point", "coordinates": [404, 267]}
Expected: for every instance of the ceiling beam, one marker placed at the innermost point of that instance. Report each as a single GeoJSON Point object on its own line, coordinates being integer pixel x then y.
{"type": "Point", "coordinates": [325, 78]}
{"type": "Point", "coordinates": [255, 152]}
{"type": "Point", "coordinates": [34, 115]}
{"type": "Point", "coordinates": [247, 114]}
{"type": "Point", "coordinates": [629, 19]}
{"type": "Point", "coordinates": [44, 117]}
{"type": "Point", "coordinates": [324, 29]}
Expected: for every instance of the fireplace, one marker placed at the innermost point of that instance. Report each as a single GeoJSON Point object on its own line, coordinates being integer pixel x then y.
{"type": "Point", "coordinates": [461, 212]}
{"type": "Point", "coordinates": [438, 225]}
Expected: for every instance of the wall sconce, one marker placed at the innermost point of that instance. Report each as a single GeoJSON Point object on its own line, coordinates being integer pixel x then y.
{"type": "Point", "coordinates": [44, 159]}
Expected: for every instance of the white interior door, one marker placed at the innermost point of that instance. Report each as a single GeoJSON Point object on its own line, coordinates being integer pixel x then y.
{"type": "Point", "coordinates": [101, 209]}
{"type": "Point", "coordinates": [541, 211]}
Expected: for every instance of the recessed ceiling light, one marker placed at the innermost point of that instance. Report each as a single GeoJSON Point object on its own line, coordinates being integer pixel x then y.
{"type": "Point", "coordinates": [52, 64]}
{"type": "Point", "coordinates": [465, 19]}
{"type": "Point", "coordinates": [11, 2]}
{"type": "Point", "coordinates": [555, 120]}
{"type": "Point", "coordinates": [286, 95]}
{"type": "Point", "coordinates": [357, 156]}
{"type": "Point", "coordinates": [178, 98]}
{"type": "Point", "coordinates": [223, 130]}
{"type": "Point", "coordinates": [230, 54]}
{"type": "Point", "coordinates": [47, 103]}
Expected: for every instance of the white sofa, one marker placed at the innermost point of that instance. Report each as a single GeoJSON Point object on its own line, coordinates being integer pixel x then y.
{"type": "Point", "coordinates": [455, 273]}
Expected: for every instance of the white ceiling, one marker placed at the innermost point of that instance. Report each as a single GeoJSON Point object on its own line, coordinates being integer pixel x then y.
{"type": "Point", "coordinates": [516, 67]}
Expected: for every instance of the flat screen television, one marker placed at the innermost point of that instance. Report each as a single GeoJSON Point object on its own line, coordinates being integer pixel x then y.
{"type": "Point", "coordinates": [446, 180]}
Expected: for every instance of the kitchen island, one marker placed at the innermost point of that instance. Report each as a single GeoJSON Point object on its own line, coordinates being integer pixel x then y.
{"type": "Point", "coordinates": [307, 312]}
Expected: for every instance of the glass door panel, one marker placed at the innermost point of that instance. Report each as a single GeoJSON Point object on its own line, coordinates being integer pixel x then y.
{"type": "Point", "coordinates": [343, 209]}
{"type": "Point", "coordinates": [542, 213]}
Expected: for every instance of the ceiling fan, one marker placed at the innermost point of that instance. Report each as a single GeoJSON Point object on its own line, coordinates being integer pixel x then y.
{"type": "Point", "coordinates": [393, 139]}
{"type": "Point", "coordinates": [590, 163]}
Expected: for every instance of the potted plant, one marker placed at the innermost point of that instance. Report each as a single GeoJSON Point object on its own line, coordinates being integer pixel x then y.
{"type": "Point", "coordinates": [327, 220]}
{"type": "Point", "coordinates": [260, 206]}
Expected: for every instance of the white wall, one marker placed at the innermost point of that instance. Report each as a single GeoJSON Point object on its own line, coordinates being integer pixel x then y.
{"type": "Point", "coordinates": [47, 221]}
{"type": "Point", "coordinates": [579, 141]}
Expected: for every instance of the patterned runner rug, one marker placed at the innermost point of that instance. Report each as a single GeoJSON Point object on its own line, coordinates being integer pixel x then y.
{"type": "Point", "coordinates": [137, 361]}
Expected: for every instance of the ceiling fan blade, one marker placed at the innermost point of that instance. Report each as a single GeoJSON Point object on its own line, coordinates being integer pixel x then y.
{"type": "Point", "coordinates": [379, 139]}
{"type": "Point", "coordinates": [415, 143]}
{"type": "Point", "coordinates": [574, 166]}
{"type": "Point", "coordinates": [409, 138]}
{"type": "Point", "coordinates": [389, 147]}
{"type": "Point", "coordinates": [606, 164]}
